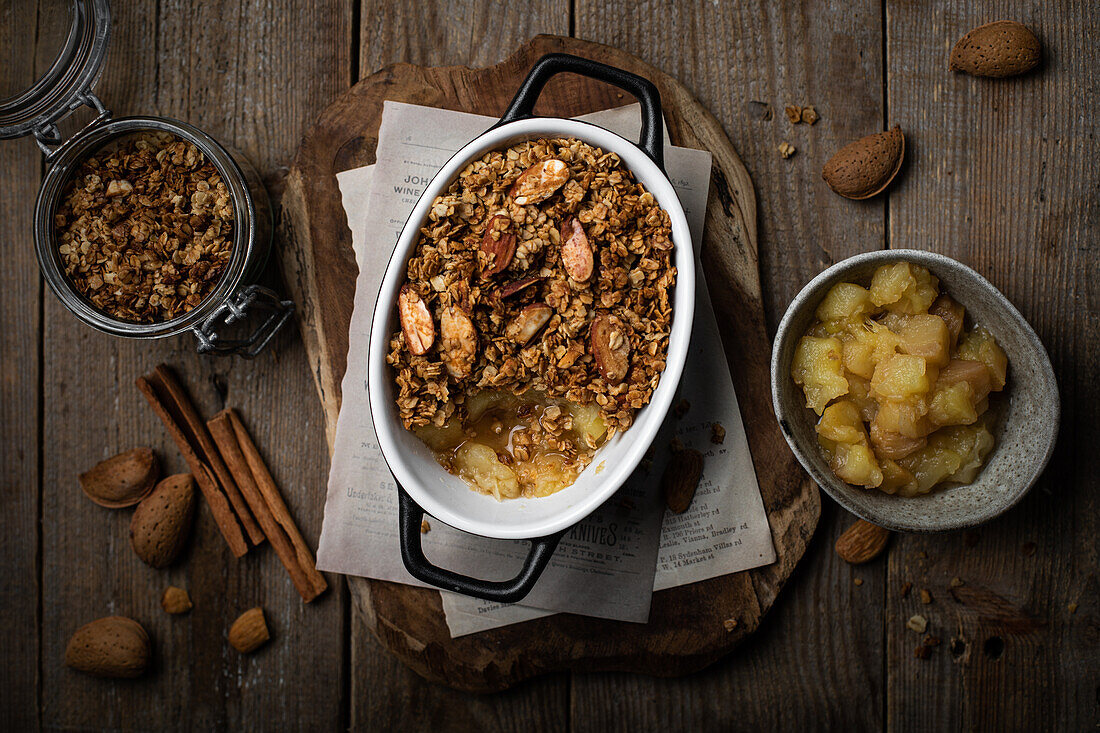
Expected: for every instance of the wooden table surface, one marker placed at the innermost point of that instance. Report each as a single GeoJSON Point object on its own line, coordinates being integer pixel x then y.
{"type": "Point", "coordinates": [998, 176]}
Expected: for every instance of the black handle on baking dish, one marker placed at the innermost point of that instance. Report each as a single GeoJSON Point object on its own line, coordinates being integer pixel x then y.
{"type": "Point", "coordinates": [505, 591]}
{"type": "Point", "coordinates": [645, 91]}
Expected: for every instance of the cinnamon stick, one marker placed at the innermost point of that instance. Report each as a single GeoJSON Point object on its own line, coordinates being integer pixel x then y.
{"type": "Point", "coordinates": [219, 505]}
{"type": "Point", "coordinates": [205, 447]}
{"type": "Point", "coordinates": [263, 497]}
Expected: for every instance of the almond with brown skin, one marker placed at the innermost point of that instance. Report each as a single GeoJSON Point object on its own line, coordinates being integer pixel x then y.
{"type": "Point", "coordinates": [527, 324]}
{"type": "Point", "coordinates": [122, 480]}
{"type": "Point", "coordinates": [162, 521]}
{"type": "Point", "coordinates": [862, 542]}
{"type": "Point", "coordinates": [609, 342]}
{"type": "Point", "coordinates": [499, 245]}
{"type": "Point", "coordinates": [115, 646]}
{"type": "Point", "coordinates": [416, 321]}
{"type": "Point", "coordinates": [999, 49]}
{"type": "Point", "coordinates": [249, 632]}
{"type": "Point", "coordinates": [175, 600]}
{"type": "Point", "coordinates": [516, 286]}
{"type": "Point", "coordinates": [681, 478]}
{"type": "Point", "coordinates": [576, 252]}
{"type": "Point", "coordinates": [458, 337]}
{"type": "Point", "coordinates": [539, 182]}
{"type": "Point", "coordinates": [867, 166]}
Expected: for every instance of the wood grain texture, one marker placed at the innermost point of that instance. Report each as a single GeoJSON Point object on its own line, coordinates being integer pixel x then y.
{"type": "Point", "coordinates": [1010, 162]}
{"type": "Point", "coordinates": [737, 58]}
{"type": "Point", "coordinates": [237, 72]}
{"type": "Point", "coordinates": [408, 620]}
{"type": "Point", "coordinates": [20, 299]}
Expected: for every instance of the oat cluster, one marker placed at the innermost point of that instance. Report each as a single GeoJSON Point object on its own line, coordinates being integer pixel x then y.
{"type": "Point", "coordinates": [145, 228]}
{"type": "Point", "coordinates": [559, 280]}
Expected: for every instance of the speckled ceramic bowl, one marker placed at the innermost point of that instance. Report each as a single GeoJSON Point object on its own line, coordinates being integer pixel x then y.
{"type": "Point", "coordinates": [1025, 432]}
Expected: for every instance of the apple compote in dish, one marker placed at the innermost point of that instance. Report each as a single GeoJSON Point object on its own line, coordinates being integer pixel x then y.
{"type": "Point", "coordinates": [535, 315]}
{"type": "Point", "coordinates": [900, 386]}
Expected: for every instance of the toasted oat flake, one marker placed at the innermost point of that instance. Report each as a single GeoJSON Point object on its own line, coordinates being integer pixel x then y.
{"type": "Point", "coordinates": [786, 150]}
{"type": "Point", "coordinates": [917, 623]}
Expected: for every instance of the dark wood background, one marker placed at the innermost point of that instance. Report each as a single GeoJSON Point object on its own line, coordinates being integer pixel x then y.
{"type": "Point", "coordinates": [999, 176]}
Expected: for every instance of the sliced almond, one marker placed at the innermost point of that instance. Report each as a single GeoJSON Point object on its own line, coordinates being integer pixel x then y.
{"type": "Point", "coordinates": [539, 182]}
{"type": "Point", "coordinates": [609, 341]}
{"type": "Point", "coordinates": [459, 341]}
{"type": "Point", "coordinates": [499, 246]}
{"type": "Point", "coordinates": [862, 542]}
{"type": "Point", "coordinates": [525, 326]}
{"type": "Point", "coordinates": [516, 286]}
{"type": "Point", "coordinates": [121, 480]}
{"type": "Point", "coordinates": [416, 321]}
{"type": "Point", "coordinates": [576, 252]}
{"type": "Point", "coordinates": [680, 479]}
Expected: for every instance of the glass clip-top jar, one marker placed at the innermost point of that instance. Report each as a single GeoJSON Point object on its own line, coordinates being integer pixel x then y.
{"type": "Point", "coordinates": [235, 300]}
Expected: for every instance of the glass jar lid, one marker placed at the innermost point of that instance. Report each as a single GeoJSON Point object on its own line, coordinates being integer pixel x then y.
{"type": "Point", "coordinates": [68, 83]}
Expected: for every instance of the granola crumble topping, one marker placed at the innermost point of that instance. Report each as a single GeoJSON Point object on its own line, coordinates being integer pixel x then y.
{"type": "Point", "coordinates": [568, 295]}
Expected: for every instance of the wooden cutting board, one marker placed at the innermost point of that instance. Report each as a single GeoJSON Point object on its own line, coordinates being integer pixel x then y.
{"type": "Point", "coordinates": [688, 626]}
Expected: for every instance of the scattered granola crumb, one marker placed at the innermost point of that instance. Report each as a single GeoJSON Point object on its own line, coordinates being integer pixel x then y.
{"type": "Point", "coordinates": [931, 640]}
{"type": "Point", "coordinates": [1072, 608]}
{"type": "Point", "coordinates": [956, 582]}
{"type": "Point", "coordinates": [425, 528]}
{"type": "Point", "coordinates": [905, 590]}
{"type": "Point", "coordinates": [786, 150]}
{"type": "Point", "coordinates": [810, 115]}
{"type": "Point", "coordinates": [601, 467]}
{"type": "Point", "coordinates": [717, 433]}
{"type": "Point", "coordinates": [794, 114]}
{"type": "Point", "coordinates": [1028, 549]}
{"type": "Point", "coordinates": [675, 445]}
{"type": "Point", "coordinates": [917, 623]}
{"type": "Point", "coordinates": [681, 408]}
{"type": "Point", "coordinates": [922, 652]}
{"type": "Point", "coordinates": [858, 581]}
{"type": "Point", "coordinates": [925, 596]}
{"type": "Point", "coordinates": [730, 624]}
{"type": "Point", "coordinates": [922, 555]}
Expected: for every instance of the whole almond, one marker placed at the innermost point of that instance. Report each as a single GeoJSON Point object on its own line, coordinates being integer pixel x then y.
{"type": "Point", "coordinates": [115, 646]}
{"type": "Point", "coordinates": [539, 182]}
{"type": "Point", "coordinates": [159, 527]}
{"type": "Point", "coordinates": [999, 49]}
{"type": "Point", "coordinates": [498, 243]}
{"type": "Point", "coordinates": [681, 478]}
{"type": "Point", "coordinates": [862, 542]}
{"type": "Point", "coordinates": [458, 337]}
{"type": "Point", "coordinates": [576, 252]}
{"type": "Point", "coordinates": [416, 321]}
{"type": "Point", "coordinates": [122, 480]}
{"type": "Point", "coordinates": [249, 632]}
{"type": "Point", "coordinates": [864, 168]}
{"type": "Point", "coordinates": [175, 600]}
{"type": "Point", "coordinates": [609, 341]}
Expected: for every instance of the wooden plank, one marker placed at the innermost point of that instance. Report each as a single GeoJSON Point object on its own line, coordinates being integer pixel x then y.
{"type": "Point", "coordinates": [20, 298]}
{"type": "Point", "coordinates": [239, 73]}
{"type": "Point", "coordinates": [734, 57]}
{"type": "Point", "coordinates": [444, 33]}
{"type": "Point", "coordinates": [1010, 163]}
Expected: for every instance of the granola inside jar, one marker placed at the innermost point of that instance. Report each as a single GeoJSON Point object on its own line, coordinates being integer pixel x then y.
{"type": "Point", "coordinates": [145, 227]}
{"type": "Point", "coordinates": [542, 278]}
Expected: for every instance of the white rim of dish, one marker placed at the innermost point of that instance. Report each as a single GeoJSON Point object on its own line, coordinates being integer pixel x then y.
{"type": "Point", "coordinates": [633, 450]}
